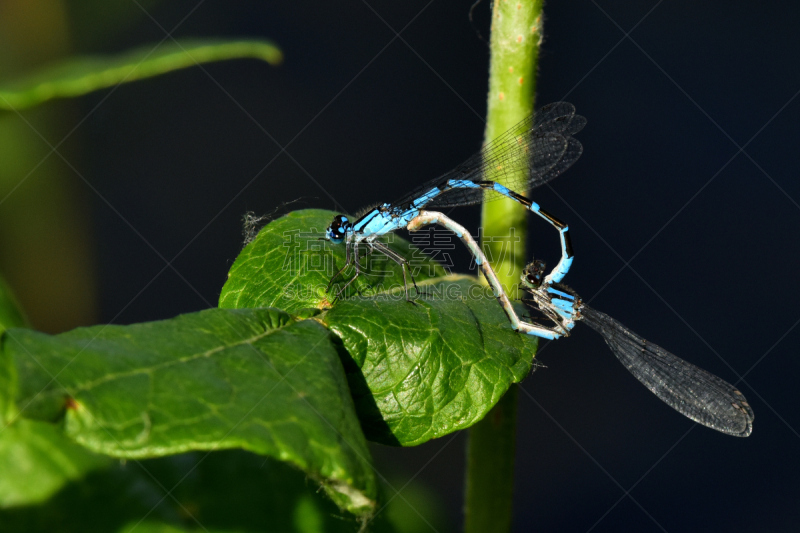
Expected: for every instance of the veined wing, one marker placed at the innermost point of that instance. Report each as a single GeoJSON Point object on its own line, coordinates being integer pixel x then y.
{"type": "Point", "coordinates": [690, 390]}
{"type": "Point", "coordinates": [531, 153]}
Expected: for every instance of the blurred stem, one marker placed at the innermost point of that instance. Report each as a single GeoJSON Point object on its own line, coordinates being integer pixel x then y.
{"type": "Point", "coordinates": [515, 37]}
{"type": "Point", "coordinates": [46, 254]}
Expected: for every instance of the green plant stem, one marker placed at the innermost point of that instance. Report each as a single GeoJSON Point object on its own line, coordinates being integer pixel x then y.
{"type": "Point", "coordinates": [515, 38]}
{"type": "Point", "coordinates": [514, 54]}
{"type": "Point", "coordinates": [490, 468]}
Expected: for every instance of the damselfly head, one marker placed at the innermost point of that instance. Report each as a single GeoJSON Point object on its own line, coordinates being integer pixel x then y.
{"type": "Point", "coordinates": [338, 229]}
{"type": "Point", "coordinates": [533, 274]}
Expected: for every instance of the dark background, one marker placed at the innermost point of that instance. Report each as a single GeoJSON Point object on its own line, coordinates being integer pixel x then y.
{"type": "Point", "coordinates": [683, 209]}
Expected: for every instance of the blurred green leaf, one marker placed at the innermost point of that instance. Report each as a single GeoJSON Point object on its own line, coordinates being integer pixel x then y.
{"type": "Point", "coordinates": [36, 460]}
{"type": "Point", "coordinates": [287, 266]}
{"type": "Point", "coordinates": [81, 75]}
{"type": "Point", "coordinates": [251, 379]}
{"type": "Point", "coordinates": [417, 370]}
{"type": "Point", "coordinates": [223, 491]}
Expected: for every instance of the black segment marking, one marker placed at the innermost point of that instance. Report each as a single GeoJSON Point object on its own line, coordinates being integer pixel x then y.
{"type": "Point", "coordinates": [568, 243]}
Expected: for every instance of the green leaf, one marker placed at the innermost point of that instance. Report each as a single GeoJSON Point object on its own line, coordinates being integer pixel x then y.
{"type": "Point", "coordinates": [10, 317]}
{"type": "Point", "coordinates": [251, 379]}
{"type": "Point", "coordinates": [420, 371]}
{"type": "Point", "coordinates": [417, 370]}
{"type": "Point", "coordinates": [222, 491]}
{"type": "Point", "coordinates": [36, 460]}
{"type": "Point", "coordinates": [287, 266]}
{"type": "Point", "coordinates": [81, 75]}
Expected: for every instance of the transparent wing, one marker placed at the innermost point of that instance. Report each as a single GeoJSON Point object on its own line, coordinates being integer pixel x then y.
{"type": "Point", "coordinates": [690, 390]}
{"type": "Point", "coordinates": [531, 153]}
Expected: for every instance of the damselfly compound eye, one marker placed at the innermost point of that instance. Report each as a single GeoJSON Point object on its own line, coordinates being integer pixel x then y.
{"type": "Point", "coordinates": [337, 231]}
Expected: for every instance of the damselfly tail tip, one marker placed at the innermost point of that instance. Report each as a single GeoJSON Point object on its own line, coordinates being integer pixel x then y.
{"type": "Point", "coordinates": [745, 410]}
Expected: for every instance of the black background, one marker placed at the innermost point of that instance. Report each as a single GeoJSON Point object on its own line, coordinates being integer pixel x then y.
{"type": "Point", "coordinates": [678, 233]}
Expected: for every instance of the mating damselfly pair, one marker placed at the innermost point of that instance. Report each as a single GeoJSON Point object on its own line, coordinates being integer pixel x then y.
{"type": "Point", "coordinates": [530, 154]}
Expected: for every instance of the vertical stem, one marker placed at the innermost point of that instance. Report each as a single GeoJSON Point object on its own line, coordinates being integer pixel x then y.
{"type": "Point", "coordinates": [490, 468]}
{"type": "Point", "coordinates": [46, 249]}
{"type": "Point", "coordinates": [516, 27]}
{"type": "Point", "coordinates": [515, 37]}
